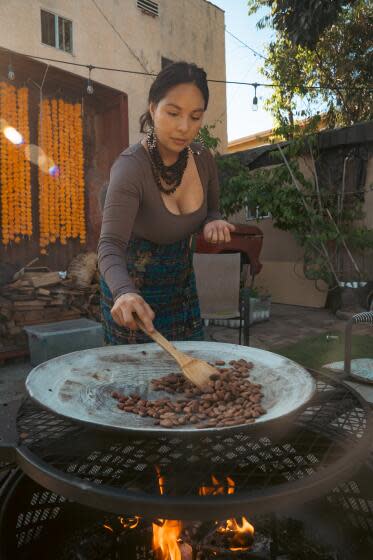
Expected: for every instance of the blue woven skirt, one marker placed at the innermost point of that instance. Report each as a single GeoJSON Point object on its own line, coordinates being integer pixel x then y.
{"type": "Point", "coordinates": [165, 278]}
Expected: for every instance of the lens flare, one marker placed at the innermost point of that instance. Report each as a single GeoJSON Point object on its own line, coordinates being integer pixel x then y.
{"type": "Point", "coordinates": [54, 171]}
{"type": "Point", "coordinates": [33, 153]}
{"type": "Point", "coordinates": [37, 156]}
{"type": "Point", "coordinates": [13, 135]}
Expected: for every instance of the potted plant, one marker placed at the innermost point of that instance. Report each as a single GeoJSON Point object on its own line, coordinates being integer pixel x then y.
{"type": "Point", "coordinates": [256, 302]}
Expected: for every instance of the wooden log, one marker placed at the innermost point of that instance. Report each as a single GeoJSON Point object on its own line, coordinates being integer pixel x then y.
{"type": "Point", "coordinates": [30, 304]}
{"type": "Point", "coordinates": [6, 312]}
{"type": "Point", "coordinates": [43, 292]}
{"type": "Point", "coordinates": [57, 301]}
{"type": "Point", "coordinates": [13, 331]}
{"type": "Point", "coordinates": [18, 284]}
{"type": "Point", "coordinates": [5, 302]}
{"type": "Point", "coordinates": [46, 279]}
{"type": "Point", "coordinates": [17, 296]}
{"type": "Point", "coordinates": [22, 271]}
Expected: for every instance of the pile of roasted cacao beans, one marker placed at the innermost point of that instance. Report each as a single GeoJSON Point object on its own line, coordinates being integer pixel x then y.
{"type": "Point", "coordinates": [229, 399]}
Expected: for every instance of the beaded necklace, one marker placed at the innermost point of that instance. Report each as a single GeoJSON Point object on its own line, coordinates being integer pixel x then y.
{"type": "Point", "coordinates": [171, 174]}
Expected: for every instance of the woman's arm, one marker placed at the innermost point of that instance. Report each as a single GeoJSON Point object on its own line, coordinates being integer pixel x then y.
{"type": "Point", "coordinates": [122, 204]}
{"type": "Point", "coordinates": [215, 229]}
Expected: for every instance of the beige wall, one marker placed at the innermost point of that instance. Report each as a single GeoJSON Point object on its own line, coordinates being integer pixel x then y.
{"type": "Point", "coordinates": [191, 30]}
{"type": "Point", "coordinates": [282, 274]}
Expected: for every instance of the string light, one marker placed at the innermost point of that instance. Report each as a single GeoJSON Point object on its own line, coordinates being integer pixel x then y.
{"type": "Point", "coordinates": [255, 99]}
{"type": "Point", "coordinates": [90, 88]}
{"type": "Point", "coordinates": [11, 74]}
{"type": "Point", "coordinates": [255, 85]}
{"type": "Point", "coordinates": [367, 87]}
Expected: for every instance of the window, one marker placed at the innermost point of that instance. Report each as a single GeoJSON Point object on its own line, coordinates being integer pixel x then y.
{"type": "Point", "coordinates": [148, 7]}
{"type": "Point", "coordinates": [253, 213]}
{"type": "Point", "coordinates": [56, 31]}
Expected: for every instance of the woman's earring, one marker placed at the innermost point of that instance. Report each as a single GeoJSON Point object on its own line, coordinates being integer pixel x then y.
{"type": "Point", "coordinates": [151, 137]}
{"type": "Point", "coordinates": [200, 139]}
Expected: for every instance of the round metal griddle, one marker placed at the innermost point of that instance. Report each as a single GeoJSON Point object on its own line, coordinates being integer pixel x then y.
{"type": "Point", "coordinates": [79, 385]}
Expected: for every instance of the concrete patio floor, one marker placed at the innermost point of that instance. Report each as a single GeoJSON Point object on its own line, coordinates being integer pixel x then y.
{"type": "Point", "coordinates": [288, 324]}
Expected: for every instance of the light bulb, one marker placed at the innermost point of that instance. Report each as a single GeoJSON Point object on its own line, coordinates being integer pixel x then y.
{"type": "Point", "coordinates": [90, 89]}
{"type": "Point", "coordinates": [255, 103]}
{"type": "Point", "coordinates": [11, 74]}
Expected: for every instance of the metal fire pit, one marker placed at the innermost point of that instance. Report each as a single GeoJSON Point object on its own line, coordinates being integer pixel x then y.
{"type": "Point", "coordinates": [215, 476]}
{"type": "Point", "coordinates": [79, 385]}
{"type": "Point", "coordinates": [37, 523]}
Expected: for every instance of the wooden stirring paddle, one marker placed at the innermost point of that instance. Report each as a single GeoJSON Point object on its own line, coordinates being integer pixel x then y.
{"type": "Point", "coordinates": [197, 371]}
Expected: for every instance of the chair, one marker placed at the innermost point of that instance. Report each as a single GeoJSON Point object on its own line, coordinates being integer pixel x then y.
{"type": "Point", "coordinates": [218, 287]}
{"type": "Point", "coordinates": [364, 317]}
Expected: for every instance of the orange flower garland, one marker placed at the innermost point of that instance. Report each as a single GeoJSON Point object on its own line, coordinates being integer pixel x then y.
{"type": "Point", "coordinates": [61, 194]}
{"type": "Point", "coordinates": [23, 118]}
{"type": "Point", "coordinates": [43, 180]}
{"type": "Point", "coordinates": [79, 170]}
{"type": "Point", "coordinates": [15, 178]}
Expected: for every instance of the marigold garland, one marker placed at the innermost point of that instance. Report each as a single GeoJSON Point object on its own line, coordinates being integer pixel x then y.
{"type": "Point", "coordinates": [61, 194]}
{"type": "Point", "coordinates": [15, 177]}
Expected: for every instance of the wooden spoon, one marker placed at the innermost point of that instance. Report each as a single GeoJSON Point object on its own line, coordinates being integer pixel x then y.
{"type": "Point", "coordinates": [197, 371]}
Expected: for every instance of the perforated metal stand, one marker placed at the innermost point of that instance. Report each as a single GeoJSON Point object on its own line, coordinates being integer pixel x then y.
{"type": "Point", "coordinates": [359, 318]}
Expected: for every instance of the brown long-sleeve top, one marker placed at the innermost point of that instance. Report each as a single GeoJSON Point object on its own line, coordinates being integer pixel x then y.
{"type": "Point", "coordinates": [134, 208]}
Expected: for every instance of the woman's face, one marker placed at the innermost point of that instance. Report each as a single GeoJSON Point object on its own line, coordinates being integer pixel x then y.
{"type": "Point", "coordinates": [178, 117]}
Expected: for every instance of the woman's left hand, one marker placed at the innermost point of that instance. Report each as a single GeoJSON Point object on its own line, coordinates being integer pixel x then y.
{"type": "Point", "coordinates": [218, 231]}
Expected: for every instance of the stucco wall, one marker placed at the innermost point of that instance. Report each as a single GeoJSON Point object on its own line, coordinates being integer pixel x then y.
{"type": "Point", "coordinates": [191, 30]}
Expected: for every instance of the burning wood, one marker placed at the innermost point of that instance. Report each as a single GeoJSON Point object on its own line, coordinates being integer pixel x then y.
{"type": "Point", "coordinates": [171, 541]}
{"type": "Point", "coordinates": [166, 540]}
{"type": "Point", "coordinates": [237, 536]}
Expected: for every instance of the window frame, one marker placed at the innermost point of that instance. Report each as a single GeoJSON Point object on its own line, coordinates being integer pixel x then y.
{"type": "Point", "coordinates": [57, 19]}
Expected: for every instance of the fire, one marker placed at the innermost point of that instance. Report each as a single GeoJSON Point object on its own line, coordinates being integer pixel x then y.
{"type": "Point", "coordinates": [125, 523]}
{"type": "Point", "coordinates": [217, 488]}
{"type": "Point", "coordinates": [166, 532]}
{"type": "Point", "coordinates": [129, 522]}
{"type": "Point", "coordinates": [166, 539]}
{"type": "Point", "coordinates": [241, 535]}
{"type": "Point", "coordinates": [167, 542]}
{"type": "Point", "coordinates": [161, 481]}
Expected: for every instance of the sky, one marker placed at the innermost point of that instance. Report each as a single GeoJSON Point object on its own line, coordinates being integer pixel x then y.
{"type": "Point", "coordinates": [243, 66]}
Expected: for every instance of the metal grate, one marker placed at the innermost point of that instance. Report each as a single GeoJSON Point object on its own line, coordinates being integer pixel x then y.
{"type": "Point", "coordinates": [148, 7]}
{"type": "Point", "coordinates": [165, 476]}
{"type": "Point", "coordinates": [30, 527]}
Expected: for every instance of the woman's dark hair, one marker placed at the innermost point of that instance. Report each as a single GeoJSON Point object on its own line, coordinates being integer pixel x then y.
{"type": "Point", "coordinates": [171, 76]}
{"type": "Point", "coordinates": [102, 195]}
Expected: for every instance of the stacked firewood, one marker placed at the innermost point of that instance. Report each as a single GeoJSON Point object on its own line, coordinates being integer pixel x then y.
{"type": "Point", "coordinates": [39, 295]}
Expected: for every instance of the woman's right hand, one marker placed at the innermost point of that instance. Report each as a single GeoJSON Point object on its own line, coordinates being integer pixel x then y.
{"type": "Point", "coordinates": [128, 304]}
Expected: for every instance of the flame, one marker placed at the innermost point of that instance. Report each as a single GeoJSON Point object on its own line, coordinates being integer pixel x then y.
{"type": "Point", "coordinates": [166, 537]}
{"type": "Point", "coordinates": [129, 522]}
{"type": "Point", "coordinates": [125, 522]}
{"type": "Point", "coordinates": [239, 533]}
{"type": "Point", "coordinates": [243, 533]}
{"type": "Point", "coordinates": [161, 480]}
{"type": "Point", "coordinates": [218, 487]}
{"type": "Point", "coordinates": [167, 543]}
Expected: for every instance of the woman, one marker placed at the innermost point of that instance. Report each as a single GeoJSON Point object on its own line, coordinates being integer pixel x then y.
{"type": "Point", "coordinates": [161, 191]}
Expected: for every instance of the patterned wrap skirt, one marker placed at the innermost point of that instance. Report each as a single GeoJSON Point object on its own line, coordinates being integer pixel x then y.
{"type": "Point", "coordinates": [165, 278]}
